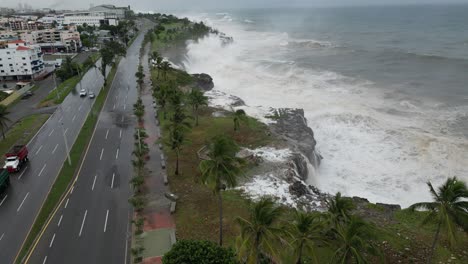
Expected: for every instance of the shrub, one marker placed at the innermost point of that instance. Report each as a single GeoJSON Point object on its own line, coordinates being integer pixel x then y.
{"type": "Point", "coordinates": [199, 251]}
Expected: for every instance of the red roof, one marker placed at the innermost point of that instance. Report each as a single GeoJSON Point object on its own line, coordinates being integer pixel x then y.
{"type": "Point", "coordinates": [16, 41]}
{"type": "Point", "coordinates": [22, 48]}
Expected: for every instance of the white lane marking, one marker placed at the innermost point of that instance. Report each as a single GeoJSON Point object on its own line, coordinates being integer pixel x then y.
{"type": "Point", "coordinates": [52, 241]}
{"type": "Point", "coordinates": [123, 118]}
{"type": "Point", "coordinates": [39, 149]}
{"type": "Point", "coordinates": [66, 130]}
{"type": "Point", "coordinates": [3, 200]}
{"type": "Point", "coordinates": [120, 133]}
{"type": "Point", "coordinates": [112, 183]}
{"type": "Point", "coordinates": [73, 188]}
{"type": "Point", "coordinates": [79, 108]}
{"type": "Point", "coordinates": [82, 223]}
{"type": "Point", "coordinates": [1, 237]}
{"type": "Point", "coordinates": [66, 203]}
{"type": "Point", "coordinates": [73, 119]}
{"type": "Point", "coordinates": [107, 133]}
{"type": "Point", "coordinates": [60, 220]}
{"type": "Point", "coordinates": [21, 175]}
{"type": "Point", "coordinates": [51, 132]}
{"type": "Point", "coordinates": [105, 222]}
{"type": "Point", "coordinates": [45, 260]}
{"type": "Point", "coordinates": [19, 208]}
{"type": "Point", "coordinates": [53, 151]}
{"type": "Point", "coordinates": [94, 182]}
{"type": "Point", "coordinates": [113, 108]}
{"type": "Point", "coordinates": [117, 154]}
{"type": "Point", "coordinates": [42, 170]}
{"type": "Point", "coordinates": [61, 118]}
{"type": "Point", "coordinates": [102, 151]}
{"type": "Point", "coordinates": [125, 106]}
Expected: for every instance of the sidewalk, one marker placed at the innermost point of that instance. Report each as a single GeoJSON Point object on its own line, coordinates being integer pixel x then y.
{"type": "Point", "coordinates": [159, 228]}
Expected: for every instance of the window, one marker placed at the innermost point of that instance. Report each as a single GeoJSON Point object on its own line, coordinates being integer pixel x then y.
{"type": "Point", "coordinates": [1, 65]}
{"type": "Point", "coordinates": [23, 58]}
{"type": "Point", "coordinates": [2, 71]}
{"type": "Point", "coordinates": [11, 65]}
{"type": "Point", "coordinates": [12, 70]}
{"type": "Point", "coordinates": [8, 52]}
{"type": "Point", "coordinates": [24, 64]}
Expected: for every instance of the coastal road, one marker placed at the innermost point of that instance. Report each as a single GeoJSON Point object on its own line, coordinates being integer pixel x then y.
{"type": "Point", "coordinates": [92, 223]}
{"type": "Point", "coordinates": [21, 202]}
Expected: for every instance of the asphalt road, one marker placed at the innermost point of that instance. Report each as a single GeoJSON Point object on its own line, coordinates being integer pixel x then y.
{"type": "Point", "coordinates": [21, 202]}
{"type": "Point", "coordinates": [92, 224]}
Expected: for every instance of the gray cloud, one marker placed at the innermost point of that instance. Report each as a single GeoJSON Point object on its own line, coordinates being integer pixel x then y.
{"type": "Point", "coordinates": [148, 5]}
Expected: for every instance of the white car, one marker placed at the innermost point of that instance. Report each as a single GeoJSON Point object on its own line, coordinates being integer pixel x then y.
{"type": "Point", "coordinates": [82, 93]}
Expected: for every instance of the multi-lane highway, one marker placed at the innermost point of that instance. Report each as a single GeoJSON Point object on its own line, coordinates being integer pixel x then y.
{"type": "Point", "coordinates": [22, 200]}
{"type": "Point", "coordinates": [92, 223]}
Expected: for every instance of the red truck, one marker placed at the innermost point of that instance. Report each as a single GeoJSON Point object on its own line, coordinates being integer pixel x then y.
{"type": "Point", "coordinates": [15, 158]}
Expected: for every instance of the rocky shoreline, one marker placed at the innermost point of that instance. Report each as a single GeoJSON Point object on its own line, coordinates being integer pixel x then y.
{"type": "Point", "coordinates": [290, 127]}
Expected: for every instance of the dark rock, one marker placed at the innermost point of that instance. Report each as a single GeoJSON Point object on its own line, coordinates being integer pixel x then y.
{"type": "Point", "coordinates": [390, 207]}
{"type": "Point", "coordinates": [300, 165]}
{"type": "Point", "coordinates": [298, 189]}
{"type": "Point", "coordinates": [292, 126]}
{"type": "Point", "coordinates": [236, 101]}
{"type": "Point", "coordinates": [203, 81]}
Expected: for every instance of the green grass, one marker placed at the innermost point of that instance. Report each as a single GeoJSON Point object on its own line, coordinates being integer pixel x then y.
{"type": "Point", "coordinates": [63, 90]}
{"type": "Point", "coordinates": [22, 131]}
{"type": "Point", "coordinates": [67, 172]}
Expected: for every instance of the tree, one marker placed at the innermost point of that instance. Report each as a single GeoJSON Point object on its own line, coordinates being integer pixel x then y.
{"type": "Point", "coordinates": [260, 234]}
{"type": "Point", "coordinates": [196, 98]}
{"type": "Point", "coordinates": [306, 231]}
{"type": "Point", "coordinates": [178, 125]}
{"type": "Point", "coordinates": [165, 68]}
{"type": "Point", "coordinates": [339, 209]}
{"type": "Point", "coordinates": [449, 210]}
{"type": "Point", "coordinates": [68, 69]}
{"type": "Point", "coordinates": [239, 116]}
{"type": "Point", "coordinates": [221, 170]}
{"type": "Point", "coordinates": [3, 119]}
{"type": "Point", "coordinates": [110, 50]}
{"type": "Point", "coordinates": [354, 239]}
{"type": "Point", "coordinates": [200, 252]}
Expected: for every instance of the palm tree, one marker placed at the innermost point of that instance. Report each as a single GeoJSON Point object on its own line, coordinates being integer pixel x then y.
{"type": "Point", "coordinates": [239, 115]}
{"type": "Point", "coordinates": [196, 98]}
{"type": "Point", "coordinates": [165, 67]}
{"type": "Point", "coordinates": [3, 119]}
{"type": "Point", "coordinates": [260, 234]}
{"type": "Point", "coordinates": [221, 170]}
{"type": "Point", "coordinates": [354, 239]}
{"type": "Point", "coordinates": [306, 231]}
{"type": "Point", "coordinates": [339, 209]}
{"type": "Point", "coordinates": [449, 209]}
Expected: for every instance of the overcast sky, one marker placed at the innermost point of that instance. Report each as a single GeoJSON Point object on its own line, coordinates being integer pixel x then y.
{"type": "Point", "coordinates": [148, 5]}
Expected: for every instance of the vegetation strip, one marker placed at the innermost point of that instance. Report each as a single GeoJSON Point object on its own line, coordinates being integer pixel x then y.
{"type": "Point", "coordinates": [67, 172]}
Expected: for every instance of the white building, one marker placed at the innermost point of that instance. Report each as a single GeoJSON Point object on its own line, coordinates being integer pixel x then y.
{"type": "Point", "coordinates": [50, 19]}
{"type": "Point", "coordinates": [119, 12]}
{"type": "Point", "coordinates": [19, 61]}
{"type": "Point", "coordinates": [90, 18]}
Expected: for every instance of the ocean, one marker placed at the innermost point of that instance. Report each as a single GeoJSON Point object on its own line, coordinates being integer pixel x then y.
{"type": "Point", "coordinates": [385, 89]}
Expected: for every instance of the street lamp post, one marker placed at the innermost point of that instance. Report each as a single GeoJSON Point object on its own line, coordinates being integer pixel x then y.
{"type": "Point", "coordinates": [66, 144]}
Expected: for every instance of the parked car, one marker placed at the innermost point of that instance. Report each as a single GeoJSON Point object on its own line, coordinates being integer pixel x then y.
{"type": "Point", "coordinates": [27, 94]}
{"type": "Point", "coordinates": [82, 93]}
{"type": "Point", "coordinates": [91, 95]}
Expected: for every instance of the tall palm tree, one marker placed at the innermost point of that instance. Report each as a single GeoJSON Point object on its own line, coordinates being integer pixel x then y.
{"type": "Point", "coordinates": [260, 234]}
{"type": "Point", "coordinates": [3, 119]}
{"type": "Point", "coordinates": [306, 231]}
{"type": "Point", "coordinates": [449, 209]}
{"type": "Point", "coordinates": [196, 98]}
{"type": "Point", "coordinates": [239, 116]}
{"type": "Point", "coordinates": [339, 209]}
{"type": "Point", "coordinates": [221, 170]}
{"type": "Point", "coordinates": [354, 238]}
{"type": "Point", "coordinates": [165, 68]}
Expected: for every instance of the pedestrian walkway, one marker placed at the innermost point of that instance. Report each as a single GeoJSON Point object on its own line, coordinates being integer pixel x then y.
{"type": "Point", "coordinates": [159, 226]}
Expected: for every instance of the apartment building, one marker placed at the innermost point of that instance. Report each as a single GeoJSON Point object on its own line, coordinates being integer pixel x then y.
{"type": "Point", "coordinates": [119, 12]}
{"type": "Point", "coordinates": [53, 40]}
{"type": "Point", "coordinates": [20, 61]}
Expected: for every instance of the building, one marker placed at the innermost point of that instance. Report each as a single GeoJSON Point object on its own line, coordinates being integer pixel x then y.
{"type": "Point", "coordinates": [53, 40]}
{"type": "Point", "coordinates": [21, 24]}
{"type": "Point", "coordinates": [90, 18]}
{"type": "Point", "coordinates": [51, 19]}
{"type": "Point", "coordinates": [20, 61]}
{"type": "Point", "coordinates": [119, 12]}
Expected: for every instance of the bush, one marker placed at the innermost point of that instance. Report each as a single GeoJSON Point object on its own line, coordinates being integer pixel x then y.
{"type": "Point", "coordinates": [199, 251]}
